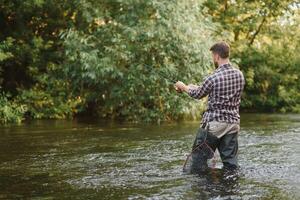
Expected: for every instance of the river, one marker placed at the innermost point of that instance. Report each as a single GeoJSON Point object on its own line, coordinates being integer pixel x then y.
{"type": "Point", "coordinates": [83, 159]}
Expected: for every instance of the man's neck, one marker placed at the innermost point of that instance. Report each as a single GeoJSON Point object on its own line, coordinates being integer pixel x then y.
{"type": "Point", "coordinates": [223, 62]}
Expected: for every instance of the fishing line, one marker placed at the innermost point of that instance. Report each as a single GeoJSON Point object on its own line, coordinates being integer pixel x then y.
{"type": "Point", "coordinates": [169, 79]}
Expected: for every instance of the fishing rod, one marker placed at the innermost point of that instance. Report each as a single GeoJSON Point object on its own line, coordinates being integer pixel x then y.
{"type": "Point", "coordinates": [166, 77]}
{"type": "Point", "coordinates": [163, 75]}
{"type": "Point", "coordinates": [171, 80]}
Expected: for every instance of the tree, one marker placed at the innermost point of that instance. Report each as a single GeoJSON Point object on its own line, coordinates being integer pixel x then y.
{"type": "Point", "coordinates": [264, 37]}
{"type": "Point", "coordinates": [116, 64]}
{"type": "Point", "coordinates": [62, 57]}
{"type": "Point", "coordinates": [243, 21]}
{"type": "Point", "coordinates": [31, 56]}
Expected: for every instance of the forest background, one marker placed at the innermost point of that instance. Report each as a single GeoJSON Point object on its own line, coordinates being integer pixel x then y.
{"type": "Point", "coordinates": [116, 59]}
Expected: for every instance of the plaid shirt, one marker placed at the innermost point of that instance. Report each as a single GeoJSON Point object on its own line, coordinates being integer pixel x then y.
{"type": "Point", "coordinates": [224, 89]}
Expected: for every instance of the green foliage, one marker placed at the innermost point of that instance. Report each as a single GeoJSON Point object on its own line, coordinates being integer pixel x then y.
{"type": "Point", "coordinates": [4, 49]}
{"type": "Point", "coordinates": [10, 112]}
{"type": "Point", "coordinates": [272, 79]}
{"type": "Point", "coordinates": [30, 55]}
{"type": "Point", "coordinates": [243, 21]}
{"type": "Point", "coordinates": [29, 31]}
{"type": "Point", "coordinates": [273, 70]}
{"type": "Point", "coordinates": [50, 97]}
{"type": "Point", "coordinates": [41, 104]}
{"type": "Point", "coordinates": [117, 64]}
{"type": "Point", "coordinates": [110, 58]}
{"type": "Point", "coordinates": [265, 41]}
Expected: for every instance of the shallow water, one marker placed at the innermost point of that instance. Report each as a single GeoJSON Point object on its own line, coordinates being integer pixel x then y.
{"type": "Point", "coordinates": [92, 160]}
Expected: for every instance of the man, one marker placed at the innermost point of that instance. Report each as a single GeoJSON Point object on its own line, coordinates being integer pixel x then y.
{"type": "Point", "coordinates": [221, 120]}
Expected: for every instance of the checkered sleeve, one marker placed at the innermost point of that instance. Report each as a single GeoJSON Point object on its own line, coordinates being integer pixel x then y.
{"type": "Point", "coordinates": [201, 91]}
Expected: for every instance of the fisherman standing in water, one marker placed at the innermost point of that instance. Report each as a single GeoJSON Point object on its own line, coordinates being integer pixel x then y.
{"type": "Point", "coordinates": [221, 120]}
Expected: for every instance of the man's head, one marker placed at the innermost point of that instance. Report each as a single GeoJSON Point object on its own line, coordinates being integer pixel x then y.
{"type": "Point", "coordinates": [220, 53]}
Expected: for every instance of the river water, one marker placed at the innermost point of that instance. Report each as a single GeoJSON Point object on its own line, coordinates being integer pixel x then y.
{"type": "Point", "coordinates": [103, 160]}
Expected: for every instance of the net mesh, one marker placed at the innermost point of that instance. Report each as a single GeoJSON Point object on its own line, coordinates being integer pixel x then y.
{"type": "Point", "coordinates": [201, 157]}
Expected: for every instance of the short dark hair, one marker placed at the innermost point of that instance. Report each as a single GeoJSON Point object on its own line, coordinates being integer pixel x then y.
{"type": "Point", "coordinates": [222, 49]}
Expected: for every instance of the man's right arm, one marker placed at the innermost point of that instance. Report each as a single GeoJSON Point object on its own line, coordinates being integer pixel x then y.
{"type": "Point", "coordinates": [201, 91]}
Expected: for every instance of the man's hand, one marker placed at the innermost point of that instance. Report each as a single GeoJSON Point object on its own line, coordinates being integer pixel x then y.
{"type": "Point", "coordinates": [177, 89]}
{"type": "Point", "coordinates": [180, 87]}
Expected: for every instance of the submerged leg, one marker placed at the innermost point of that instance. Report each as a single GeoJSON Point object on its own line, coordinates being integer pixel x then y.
{"type": "Point", "coordinates": [228, 149]}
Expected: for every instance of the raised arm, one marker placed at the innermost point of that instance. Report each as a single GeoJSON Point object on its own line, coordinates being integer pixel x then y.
{"type": "Point", "coordinates": [194, 91]}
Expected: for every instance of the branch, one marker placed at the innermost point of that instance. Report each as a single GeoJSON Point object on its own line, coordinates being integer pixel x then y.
{"type": "Point", "coordinates": [258, 30]}
{"type": "Point", "coordinates": [225, 5]}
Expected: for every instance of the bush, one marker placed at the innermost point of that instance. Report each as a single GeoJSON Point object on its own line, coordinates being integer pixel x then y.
{"type": "Point", "coordinates": [10, 112]}
{"type": "Point", "coordinates": [41, 105]}
{"type": "Point", "coordinates": [49, 98]}
{"type": "Point", "coordinates": [117, 62]}
{"type": "Point", "coordinates": [272, 79]}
